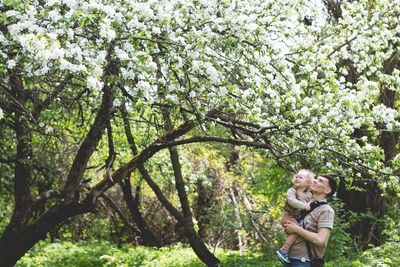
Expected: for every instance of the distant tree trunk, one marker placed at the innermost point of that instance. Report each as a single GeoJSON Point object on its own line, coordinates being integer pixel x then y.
{"type": "Point", "coordinates": [203, 201]}
{"type": "Point", "coordinates": [198, 211]}
{"type": "Point", "coordinates": [388, 139]}
{"type": "Point", "coordinates": [366, 231]}
{"type": "Point", "coordinates": [241, 241]}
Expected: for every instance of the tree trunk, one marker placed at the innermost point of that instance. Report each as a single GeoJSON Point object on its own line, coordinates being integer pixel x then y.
{"type": "Point", "coordinates": [195, 241]}
{"type": "Point", "coordinates": [16, 241]}
{"type": "Point", "coordinates": [133, 203]}
{"type": "Point", "coordinates": [147, 236]}
{"type": "Point", "coordinates": [24, 229]}
{"type": "Point", "coordinates": [14, 246]}
{"type": "Point", "coordinates": [204, 201]}
{"type": "Point", "coordinates": [241, 241]}
{"type": "Point", "coordinates": [367, 231]}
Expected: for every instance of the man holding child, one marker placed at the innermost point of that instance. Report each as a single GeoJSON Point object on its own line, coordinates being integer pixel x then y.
{"type": "Point", "coordinates": [313, 228]}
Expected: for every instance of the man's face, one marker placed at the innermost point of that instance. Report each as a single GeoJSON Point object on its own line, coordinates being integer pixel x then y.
{"type": "Point", "coordinates": [320, 185]}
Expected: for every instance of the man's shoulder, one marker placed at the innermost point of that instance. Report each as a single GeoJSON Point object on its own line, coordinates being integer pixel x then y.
{"type": "Point", "coordinates": [325, 208]}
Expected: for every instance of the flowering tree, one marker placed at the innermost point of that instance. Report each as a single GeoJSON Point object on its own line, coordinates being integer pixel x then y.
{"type": "Point", "coordinates": [256, 68]}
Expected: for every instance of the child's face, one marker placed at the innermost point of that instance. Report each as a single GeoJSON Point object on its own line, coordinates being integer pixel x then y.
{"type": "Point", "coordinates": [301, 180]}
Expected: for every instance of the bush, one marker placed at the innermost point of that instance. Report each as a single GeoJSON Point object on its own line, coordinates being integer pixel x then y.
{"type": "Point", "coordinates": [340, 242]}
{"type": "Point", "coordinates": [386, 255]}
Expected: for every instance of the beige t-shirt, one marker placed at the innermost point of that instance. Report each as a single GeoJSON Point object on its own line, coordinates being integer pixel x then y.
{"type": "Point", "coordinates": [320, 217]}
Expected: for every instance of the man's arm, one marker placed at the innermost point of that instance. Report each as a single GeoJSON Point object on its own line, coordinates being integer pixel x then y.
{"type": "Point", "coordinates": [320, 239]}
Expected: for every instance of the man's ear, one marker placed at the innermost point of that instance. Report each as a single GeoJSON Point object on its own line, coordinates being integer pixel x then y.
{"type": "Point", "coordinates": [327, 190]}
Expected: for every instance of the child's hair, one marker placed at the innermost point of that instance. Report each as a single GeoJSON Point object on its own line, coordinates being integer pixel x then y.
{"type": "Point", "coordinates": [309, 175]}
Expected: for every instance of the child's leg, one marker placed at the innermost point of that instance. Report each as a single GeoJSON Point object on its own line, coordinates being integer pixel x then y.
{"type": "Point", "coordinates": [292, 237]}
{"type": "Point", "coordinates": [289, 242]}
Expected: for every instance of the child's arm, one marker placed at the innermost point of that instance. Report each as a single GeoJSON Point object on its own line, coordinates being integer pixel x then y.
{"type": "Point", "coordinates": [293, 201]}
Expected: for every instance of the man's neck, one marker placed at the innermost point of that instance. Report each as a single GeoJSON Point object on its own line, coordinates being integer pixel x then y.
{"type": "Point", "coordinates": [319, 197]}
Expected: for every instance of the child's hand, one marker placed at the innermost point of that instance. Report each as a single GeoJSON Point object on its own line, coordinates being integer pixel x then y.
{"type": "Point", "coordinates": [307, 206]}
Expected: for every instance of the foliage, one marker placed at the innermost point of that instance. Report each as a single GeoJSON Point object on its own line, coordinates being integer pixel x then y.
{"type": "Point", "coordinates": [96, 253]}
{"type": "Point", "coordinates": [5, 212]}
{"type": "Point", "coordinates": [340, 241]}
{"type": "Point", "coordinates": [386, 255]}
{"type": "Point", "coordinates": [87, 254]}
{"type": "Point", "coordinates": [295, 76]}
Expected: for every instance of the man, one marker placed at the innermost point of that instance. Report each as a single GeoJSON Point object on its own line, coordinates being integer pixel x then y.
{"type": "Point", "coordinates": [315, 227]}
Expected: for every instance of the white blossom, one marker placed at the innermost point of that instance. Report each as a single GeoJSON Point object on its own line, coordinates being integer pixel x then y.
{"type": "Point", "coordinates": [222, 91]}
{"type": "Point", "coordinates": [212, 72]}
{"type": "Point", "coordinates": [11, 63]}
{"type": "Point", "coordinates": [93, 83]}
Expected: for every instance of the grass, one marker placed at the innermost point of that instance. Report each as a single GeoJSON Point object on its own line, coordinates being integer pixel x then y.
{"type": "Point", "coordinates": [101, 253]}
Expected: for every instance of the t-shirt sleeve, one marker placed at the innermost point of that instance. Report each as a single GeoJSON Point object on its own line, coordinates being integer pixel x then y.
{"type": "Point", "coordinates": [326, 219]}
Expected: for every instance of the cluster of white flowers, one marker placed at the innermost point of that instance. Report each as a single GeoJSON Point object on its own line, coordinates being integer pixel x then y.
{"type": "Point", "coordinates": [94, 83]}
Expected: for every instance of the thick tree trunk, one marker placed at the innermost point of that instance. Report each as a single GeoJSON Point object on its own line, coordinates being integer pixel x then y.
{"type": "Point", "coordinates": [16, 244]}
{"type": "Point", "coordinates": [25, 229]}
{"type": "Point", "coordinates": [16, 241]}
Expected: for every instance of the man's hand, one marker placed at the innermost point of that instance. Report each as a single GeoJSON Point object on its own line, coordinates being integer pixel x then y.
{"type": "Point", "coordinates": [291, 227]}
{"type": "Point", "coordinates": [307, 206]}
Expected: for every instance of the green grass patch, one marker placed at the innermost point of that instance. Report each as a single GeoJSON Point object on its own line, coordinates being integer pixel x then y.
{"type": "Point", "coordinates": [101, 253]}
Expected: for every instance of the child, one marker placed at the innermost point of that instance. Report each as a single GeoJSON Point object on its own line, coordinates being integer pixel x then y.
{"type": "Point", "coordinates": [298, 198]}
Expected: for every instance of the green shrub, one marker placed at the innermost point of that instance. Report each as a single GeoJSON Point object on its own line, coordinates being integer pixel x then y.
{"type": "Point", "coordinates": [340, 243]}
{"type": "Point", "coordinates": [386, 255]}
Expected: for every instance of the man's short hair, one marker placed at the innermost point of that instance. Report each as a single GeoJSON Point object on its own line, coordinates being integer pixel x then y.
{"type": "Point", "coordinates": [331, 182]}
